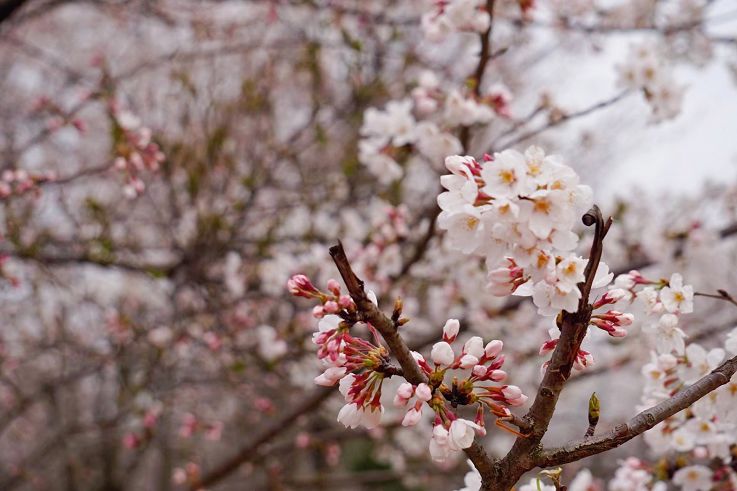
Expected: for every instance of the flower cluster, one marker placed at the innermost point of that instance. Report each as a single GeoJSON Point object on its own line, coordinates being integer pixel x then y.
{"type": "Point", "coordinates": [390, 134]}
{"type": "Point", "coordinates": [134, 149]}
{"type": "Point", "coordinates": [482, 364]}
{"type": "Point", "coordinates": [380, 257]}
{"type": "Point", "coordinates": [703, 434]}
{"type": "Point", "coordinates": [360, 367]}
{"type": "Point", "coordinates": [343, 354]}
{"type": "Point", "coordinates": [707, 430]}
{"type": "Point", "coordinates": [5, 274]}
{"type": "Point", "coordinates": [664, 300]}
{"type": "Point", "coordinates": [58, 117]}
{"type": "Point", "coordinates": [270, 346]}
{"type": "Point", "coordinates": [191, 424]}
{"type": "Point", "coordinates": [448, 16]}
{"type": "Point", "coordinates": [634, 475]}
{"type": "Point", "coordinates": [646, 71]}
{"type": "Point", "coordinates": [141, 426]}
{"type": "Point", "coordinates": [518, 211]}
{"type": "Point", "coordinates": [18, 182]}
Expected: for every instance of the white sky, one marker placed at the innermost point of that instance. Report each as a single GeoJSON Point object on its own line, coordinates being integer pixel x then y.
{"type": "Point", "coordinates": [679, 155]}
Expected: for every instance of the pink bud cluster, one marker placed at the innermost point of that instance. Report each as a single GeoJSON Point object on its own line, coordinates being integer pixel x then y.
{"type": "Point", "coordinates": [612, 322]}
{"type": "Point", "coordinates": [405, 392]}
{"type": "Point", "coordinates": [344, 354]}
{"type": "Point", "coordinates": [381, 257]}
{"type": "Point", "coordinates": [331, 301]}
{"type": "Point", "coordinates": [664, 301]}
{"type": "Point", "coordinates": [191, 424]}
{"type": "Point", "coordinates": [4, 274]}
{"type": "Point", "coordinates": [360, 367]}
{"type": "Point", "coordinates": [450, 16]}
{"type": "Point", "coordinates": [485, 364]}
{"type": "Point", "coordinates": [135, 150]}
{"type": "Point", "coordinates": [18, 182]}
{"type": "Point", "coordinates": [58, 116]}
{"type": "Point", "coordinates": [583, 360]}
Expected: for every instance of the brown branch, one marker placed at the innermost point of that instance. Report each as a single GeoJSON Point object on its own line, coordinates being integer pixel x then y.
{"type": "Point", "coordinates": [485, 55]}
{"type": "Point", "coordinates": [370, 313]}
{"type": "Point", "coordinates": [720, 295]}
{"type": "Point", "coordinates": [644, 421]}
{"type": "Point", "coordinates": [8, 8]}
{"type": "Point", "coordinates": [573, 326]}
{"type": "Point", "coordinates": [249, 451]}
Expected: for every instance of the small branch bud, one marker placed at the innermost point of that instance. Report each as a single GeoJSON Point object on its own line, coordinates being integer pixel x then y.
{"type": "Point", "coordinates": [397, 312]}
{"type": "Point", "coordinates": [594, 410]}
{"type": "Point", "coordinates": [554, 476]}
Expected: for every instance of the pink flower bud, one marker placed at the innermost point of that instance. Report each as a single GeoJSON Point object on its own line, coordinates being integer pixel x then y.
{"type": "Point", "coordinates": [468, 361]}
{"type": "Point", "coordinates": [611, 297]}
{"type": "Point", "coordinates": [474, 346]}
{"type": "Point", "coordinates": [334, 287]}
{"type": "Point", "coordinates": [300, 285]}
{"type": "Point", "coordinates": [302, 440]}
{"type": "Point", "coordinates": [511, 391]}
{"type": "Point", "coordinates": [331, 307]}
{"type": "Point", "coordinates": [330, 376]}
{"type": "Point", "coordinates": [493, 348]}
{"type": "Point", "coordinates": [442, 354]}
{"type": "Point", "coordinates": [479, 371]}
{"type": "Point", "coordinates": [318, 312]}
{"type": "Point", "coordinates": [450, 330]}
{"type": "Point", "coordinates": [130, 440]}
{"type": "Point", "coordinates": [423, 392]}
{"type": "Point", "coordinates": [498, 375]}
{"type": "Point", "coordinates": [518, 401]}
{"type": "Point", "coordinates": [412, 417]}
{"type": "Point", "coordinates": [399, 401]}
{"type": "Point", "coordinates": [405, 390]}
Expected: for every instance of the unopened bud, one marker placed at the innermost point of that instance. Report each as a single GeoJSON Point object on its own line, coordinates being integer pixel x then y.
{"type": "Point", "coordinates": [594, 409]}
{"type": "Point", "coordinates": [397, 313]}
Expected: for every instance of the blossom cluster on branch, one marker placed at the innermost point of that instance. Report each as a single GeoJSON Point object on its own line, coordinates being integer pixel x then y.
{"type": "Point", "coordinates": [360, 366]}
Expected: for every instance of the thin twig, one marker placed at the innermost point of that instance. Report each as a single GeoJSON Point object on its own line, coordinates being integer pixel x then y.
{"type": "Point", "coordinates": [720, 295]}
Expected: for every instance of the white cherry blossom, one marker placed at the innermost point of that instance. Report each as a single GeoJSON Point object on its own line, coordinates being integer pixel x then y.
{"type": "Point", "coordinates": [693, 478]}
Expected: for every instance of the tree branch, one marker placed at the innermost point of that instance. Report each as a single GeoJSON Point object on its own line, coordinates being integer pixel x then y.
{"type": "Point", "coordinates": [249, 451]}
{"type": "Point", "coordinates": [563, 119]}
{"type": "Point", "coordinates": [370, 313]}
{"type": "Point", "coordinates": [573, 326]}
{"type": "Point", "coordinates": [644, 421]}
{"type": "Point", "coordinates": [8, 8]}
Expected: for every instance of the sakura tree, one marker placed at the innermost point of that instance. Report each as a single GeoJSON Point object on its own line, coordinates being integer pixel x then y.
{"type": "Point", "coordinates": [286, 244]}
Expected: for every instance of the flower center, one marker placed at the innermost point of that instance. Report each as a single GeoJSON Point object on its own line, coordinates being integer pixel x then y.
{"type": "Point", "coordinates": [472, 223]}
{"type": "Point", "coordinates": [542, 206]}
{"type": "Point", "coordinates": [507, 176]}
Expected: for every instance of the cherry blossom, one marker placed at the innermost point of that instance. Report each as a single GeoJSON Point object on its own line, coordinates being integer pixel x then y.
{"type": "Point", "coordinates": [693, 478]}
